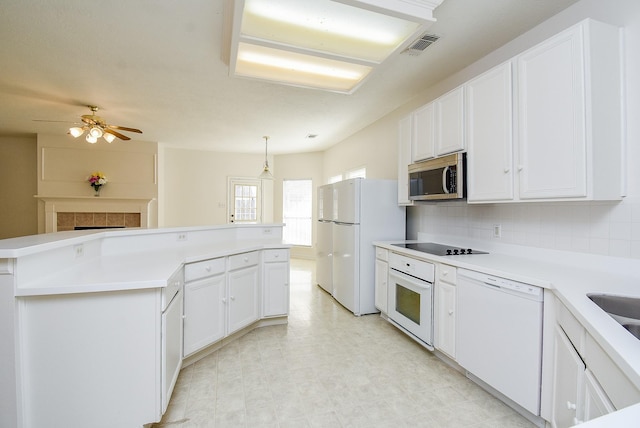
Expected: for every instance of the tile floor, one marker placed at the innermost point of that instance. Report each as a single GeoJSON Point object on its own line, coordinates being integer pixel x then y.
{"type": "Point", "coordinates": [328, 368]}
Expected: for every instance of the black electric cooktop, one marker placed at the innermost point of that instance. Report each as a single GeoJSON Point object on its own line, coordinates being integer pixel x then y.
{"type": "Point", "coordinates": [439, 249]}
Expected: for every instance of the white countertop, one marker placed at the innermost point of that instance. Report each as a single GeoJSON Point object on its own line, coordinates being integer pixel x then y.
{"type": "Point", "coordinates": [571, 277]}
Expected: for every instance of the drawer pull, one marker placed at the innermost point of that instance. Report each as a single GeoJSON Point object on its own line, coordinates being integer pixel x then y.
{"type": "Point", "coordinates": [208, 268]}
{"type": "Point", "coordinates": [571, 406]}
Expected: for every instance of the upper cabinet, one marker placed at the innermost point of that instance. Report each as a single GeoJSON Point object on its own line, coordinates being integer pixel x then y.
{"type": "Point", "coordinates": [569, 115]}
{"type": "Point", "coordinates": [489, 111]}
{"type": "Point", "coordinates": [438, 127]}
{"type": "Point", "coordinates": [404, 159]}
{"type": "Point", "coordinates": [561, 139]}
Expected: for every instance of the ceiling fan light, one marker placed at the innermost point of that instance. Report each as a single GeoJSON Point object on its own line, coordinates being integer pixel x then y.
{"type": "Point", "coordinates": [76, 131]}
{"type": "Point", "coordinates": [91, 139]}
{"type": "Point", "coordinates": [109, 137]}
{"type": "Point", "coordinates": [95, 132]}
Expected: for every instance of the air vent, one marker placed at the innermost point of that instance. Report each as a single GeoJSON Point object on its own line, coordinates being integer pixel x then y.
{"type": "Point", "coordinates": [421, 44]}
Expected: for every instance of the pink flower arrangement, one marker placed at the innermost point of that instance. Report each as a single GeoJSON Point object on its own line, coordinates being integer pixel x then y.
{"type": "Point", "coordinates": [96, 180]}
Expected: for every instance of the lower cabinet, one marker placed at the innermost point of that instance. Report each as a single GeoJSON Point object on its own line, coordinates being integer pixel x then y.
{"type": "Point", "coordinates": [568, 382]}
{"type": "Point", "coordinates": [244, 283]}
{"type": "Point", "coordinates": [381, 279]}
{"type": "Point", "coordinates": [445, 310]}
{"type": "Point", "coordinates": [223, 295]}
{"type": "Point", "coordinates": [275, 287]}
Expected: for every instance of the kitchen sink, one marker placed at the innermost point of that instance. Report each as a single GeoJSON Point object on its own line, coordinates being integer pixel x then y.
{"type": "Point", "coordinates": [625, 310]}
{"type": "Point", "coordinates": [633, 328]}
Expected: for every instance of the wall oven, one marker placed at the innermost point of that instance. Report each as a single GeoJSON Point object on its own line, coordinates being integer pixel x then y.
{"type": "Point", "coordinates": [411, 297]}
{"type": "Point", "coordinates": [439, 178]}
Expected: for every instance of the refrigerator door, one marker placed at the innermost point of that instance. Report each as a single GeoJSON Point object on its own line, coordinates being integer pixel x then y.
{"type": "Point", "coordinates": [346, 272]}
{"type": "Point", "coordinates": [346, 201]}
{"type": "Point", "coordinates": [325, 202]}
{"type": "Point", "coordinates": [324, 255]}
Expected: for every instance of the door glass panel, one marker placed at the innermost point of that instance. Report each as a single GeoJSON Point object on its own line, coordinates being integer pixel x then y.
{"type": "Point", "coordinates": [245, 203]}
{"type": "Point", "coordinates": [408, 303]}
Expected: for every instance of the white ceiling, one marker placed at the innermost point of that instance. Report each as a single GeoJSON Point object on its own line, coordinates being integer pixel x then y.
{"type": "Point", "coordinates": [157, 65]}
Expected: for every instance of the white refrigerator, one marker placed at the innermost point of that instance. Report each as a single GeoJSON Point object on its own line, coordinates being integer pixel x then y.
{"type": "Point", "coordinates": [324, 234]}
{"type": "Point", "coordinates": [364, 211]}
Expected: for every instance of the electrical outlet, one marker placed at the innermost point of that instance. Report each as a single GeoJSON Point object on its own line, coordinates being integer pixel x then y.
{"type": "Point", "coordinates": [497, 231]}
{"type": "Point", "coordinates": [266, 231]}
{"type": "Point", "coordinates": [78, 250]}
{"type": "Point", "coordinates": [182, 237]}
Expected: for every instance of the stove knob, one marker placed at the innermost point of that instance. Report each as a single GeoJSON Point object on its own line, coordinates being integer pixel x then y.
{"type": "Point", "coordinates": [455, 252]}
{"type": "Point", "coordinates": [462, 250]}
{"type": "Point", "coordinates": [448, 252]}
{"type": "Point", "coordinates": [469, 251]}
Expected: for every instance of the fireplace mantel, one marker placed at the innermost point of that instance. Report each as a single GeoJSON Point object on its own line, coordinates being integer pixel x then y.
{"type": "Point", "coordinates": [55, 204]}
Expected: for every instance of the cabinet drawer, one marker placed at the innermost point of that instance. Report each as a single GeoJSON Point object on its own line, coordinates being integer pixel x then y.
{"type": "Point", "coordinates": [447, 274]}
{"type": "Point", "coordinates": [382, 254]}
{"type": "Point", "coordinates": [280, 255]}
{"type": "Point", "coordinates": [244, 260]}
{"type": "Point", "coordinates": [573, 329]}
{"type": "Point", "coordinates": [203, 269]}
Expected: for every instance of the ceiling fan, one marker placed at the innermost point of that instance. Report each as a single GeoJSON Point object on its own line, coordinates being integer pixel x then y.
{"type": "Point", "coordinates": [97, 127]}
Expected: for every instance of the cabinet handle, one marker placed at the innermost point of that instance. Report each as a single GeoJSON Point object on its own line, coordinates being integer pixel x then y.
{"type": "Point", "coordinates": [276, 256]}
{"type": "Point", "coordinates": [445, 272]}
{"type": "Point", "coordinates": [208, 268]}
{"type": "Point", "coordinates": [184, 317]}
{"type": "Point", "coordinates": [506, 170]}
{"type": "Point", "coordinates": [450, 311]}
{"type": "Point", "coordinates": [520, 167]}
{"type": "Point", "coordinates": [224, 300]}
{"type": "Point", "coordinates": [233, 297]}
{"type": "Point", "coordinates": [246, 259]}
{"type": "Point", "coordinates": [571, 406]}
{"type": "Point", "coordinates": [286, 284]}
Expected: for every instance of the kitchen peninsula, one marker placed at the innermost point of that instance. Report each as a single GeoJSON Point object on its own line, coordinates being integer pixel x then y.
{"type": "Point", "coordinates": [92, 321]}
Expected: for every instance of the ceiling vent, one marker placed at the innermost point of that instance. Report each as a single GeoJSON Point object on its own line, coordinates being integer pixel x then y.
{"type": "Point", "coordinates": [421, 44]}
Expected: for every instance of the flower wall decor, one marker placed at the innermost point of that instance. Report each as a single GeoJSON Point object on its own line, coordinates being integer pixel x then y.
{"type": "Point", "coordinates": [97, 180]}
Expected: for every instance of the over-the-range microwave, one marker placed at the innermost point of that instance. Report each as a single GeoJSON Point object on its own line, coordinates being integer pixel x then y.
{"type": "Point", "coordinates": [441, 178]}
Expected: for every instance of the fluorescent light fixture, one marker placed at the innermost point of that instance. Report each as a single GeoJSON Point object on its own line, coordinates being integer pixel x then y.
{"type": "Point", "coordinates": [325, 44]}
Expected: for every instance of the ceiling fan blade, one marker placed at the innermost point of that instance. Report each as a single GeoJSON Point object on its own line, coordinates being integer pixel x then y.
{"type": "Point", "coordinates": [124, 128]}
{"type": "Point", "coordinates": [117, 134]}
{"type": "Point", "coordinates": [88, 120]}
{"type": "Point", "coordinates": [54, 121]}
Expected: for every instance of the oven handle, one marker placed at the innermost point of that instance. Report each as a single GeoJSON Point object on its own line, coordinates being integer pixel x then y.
{"type": "Point", "coordinates": [416, 282]}
{"type": "Point", "coordinates": [445, 188]}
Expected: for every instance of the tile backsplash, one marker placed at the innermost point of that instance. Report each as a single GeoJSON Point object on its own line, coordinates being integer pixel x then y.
{"type": "Point", "coordinates": [605, 228]}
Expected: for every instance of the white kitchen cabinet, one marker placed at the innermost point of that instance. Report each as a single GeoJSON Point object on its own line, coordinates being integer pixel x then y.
{"type": "Point", "coordinates": [172, 337]}
{"type": "Point", "coordinates": [445, 310]}
{"type": "Point", "coordinates": [489, 114]}
{"type": "Point", "coordinates": [381, 279]}
{"type": "Point", "coordinates": [204, 319]}
{"type": "Point", "coordinates": [243, 298]}
{"type": "Point", "coordinates": [569, 115]}
{"type": "Point", "coordinates": [596, 402]}
{"type": "Point", "coordinates": [438, 127]}
{"type": "Point", "coordinates": [275, 286]}
{"type": "Point", "coordinates": [423, 139]}
{"type": "Point", "coordinates": [568, 382]}
{"type": "Point", "coordinates": [449, 122]}
{"type": "Point", "coordinates": [404, 159]}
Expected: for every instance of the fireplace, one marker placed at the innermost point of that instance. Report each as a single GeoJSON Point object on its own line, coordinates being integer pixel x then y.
{"type": "Point", "coordinates": [67, 213]}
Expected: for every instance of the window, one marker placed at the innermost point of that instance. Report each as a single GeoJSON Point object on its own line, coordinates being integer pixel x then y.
{"type": "Point", "coordinates": [355, 173]}
{"type": "Point", "coordinates": [335, 179]}
{"type": "Point", "coordinates": [244, 200]}
{"type": "Point", "coordinates": [296, 211]}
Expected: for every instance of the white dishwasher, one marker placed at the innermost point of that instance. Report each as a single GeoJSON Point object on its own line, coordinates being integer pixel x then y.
{"type": "Point", "coordinates": [499, 337]}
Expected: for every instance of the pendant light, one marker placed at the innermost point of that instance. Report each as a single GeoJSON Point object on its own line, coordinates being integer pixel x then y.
{"type": "Point", "coordinates": [266, 173]}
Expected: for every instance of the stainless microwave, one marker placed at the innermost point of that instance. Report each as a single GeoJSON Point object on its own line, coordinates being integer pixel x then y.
{"type": "Point", "coordinates": [438, 179]}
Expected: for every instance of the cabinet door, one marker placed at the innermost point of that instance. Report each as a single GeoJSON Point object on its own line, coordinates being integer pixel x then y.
{"type": "Point", "coordinates": [204, 313]}
{"type": "Point", "coordinates": [489, 136]}
{"type": "Point", "coordinates": [276, 289]}
{"type": "Point", "coordinates": [568, 381]}
{"type": "Point", "coordinates": [243, 298]}
{"type": "Point", "coordinates": [449, 114]}
{"type": "Point", "coordinates": [172, 328]}
{"type": "Point", "coordinates": [552, 142]}
{"type": "Point", "coordinates": [596, 402]}
{"type": "Point", "coordinates": [404, 159]}
{"type": "Point", "coordinates": [445, 331]}
{"type": "Point", "coordinates": [381, 285]}
{"type": "Point", "coordinates": [423, 137]}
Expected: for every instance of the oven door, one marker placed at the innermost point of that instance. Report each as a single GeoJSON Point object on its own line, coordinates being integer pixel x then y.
{"type": "Point", "coordinates": [411, 306]}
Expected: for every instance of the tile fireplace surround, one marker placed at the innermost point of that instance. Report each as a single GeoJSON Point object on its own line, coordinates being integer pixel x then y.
{"type": "Point", "coordinates": [65, 213]}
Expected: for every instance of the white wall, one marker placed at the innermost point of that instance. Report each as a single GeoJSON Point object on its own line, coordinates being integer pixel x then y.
{"type": "Point", "coordinates": [194, 185]}
{"type": "Point", "coordinates": [610, 228]}
{"type": "Point", "coordinates": [18, 207]}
